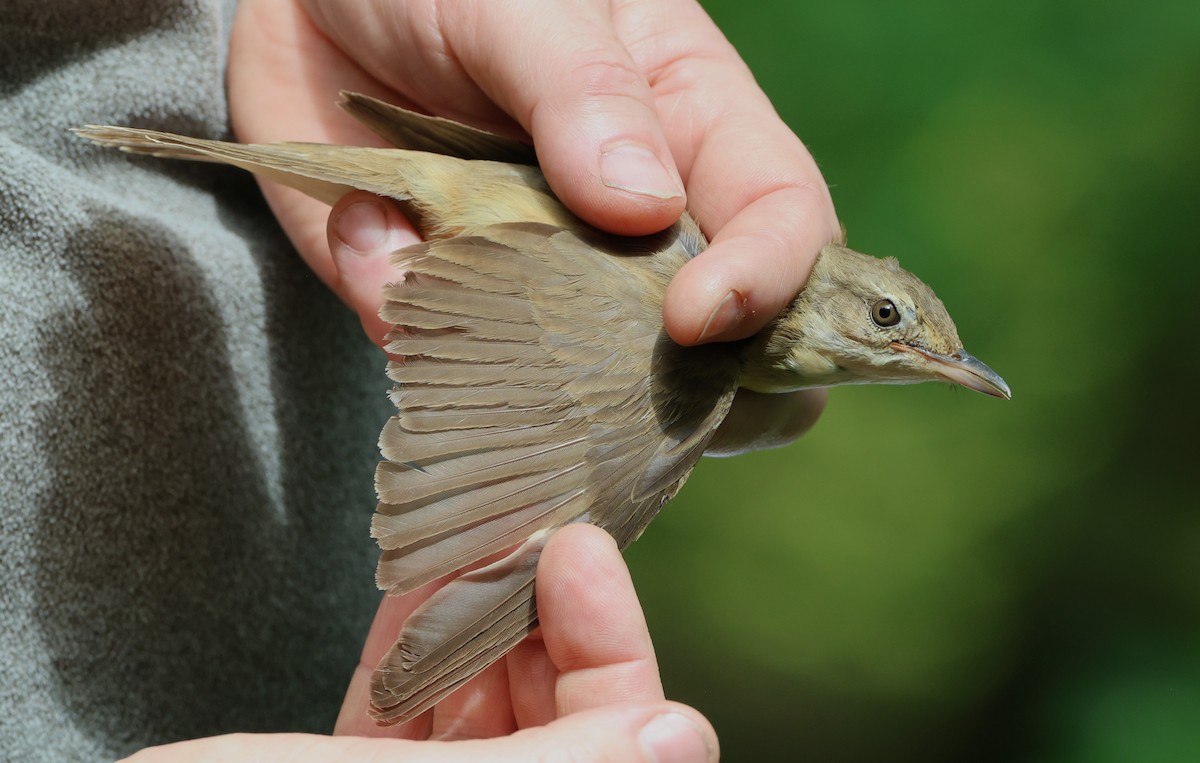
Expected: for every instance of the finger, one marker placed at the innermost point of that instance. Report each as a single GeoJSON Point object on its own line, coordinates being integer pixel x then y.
{"type": "Point", "coordinates": [751, 184]}
{"type": "Point", "coordinates": [561, 72]}
{"type": "Point", "coordinates": [760, 421]}
{"type": "Point", "coordinates": [533, 677]}
{"type": "Point", "coordinates": [354, 718]}
{"type": "Point", "coordinates": [481, 709]}
{"type": "Point", "coordinates": [363, 231]}
{"type": "Point", "coordinates": [558, 69]}
{"type": "Point", "coordinates": [768, 212]}
{"type": "Point", "coordinates": [646, 732]}
{"type": "Point", "coordinates": [760, 256]}
{"type": "Point", "coordinates": [592, 623]}
{"type": "Point", "coordinates": [284, 80]}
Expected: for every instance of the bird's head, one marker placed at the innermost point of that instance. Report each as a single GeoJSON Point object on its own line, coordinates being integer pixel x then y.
{"type": "Point", "coordinates": [863, 320]}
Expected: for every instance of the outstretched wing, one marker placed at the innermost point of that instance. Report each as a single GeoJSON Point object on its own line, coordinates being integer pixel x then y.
{"type": "Point", "coordinates": [537, 388]}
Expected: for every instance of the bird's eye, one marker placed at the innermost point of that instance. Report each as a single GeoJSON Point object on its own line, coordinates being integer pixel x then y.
{"type": "Point", "coordinates": [885, 314]}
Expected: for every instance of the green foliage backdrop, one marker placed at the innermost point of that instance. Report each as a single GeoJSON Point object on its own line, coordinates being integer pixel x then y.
{"type": "Point", "coordinates": [935, 575]}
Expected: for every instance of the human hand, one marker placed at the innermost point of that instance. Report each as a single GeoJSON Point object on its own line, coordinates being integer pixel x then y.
{"type": "Point", "coordinates": [583, 687]}
{"type": "Point", "coordinates": [583, 79]}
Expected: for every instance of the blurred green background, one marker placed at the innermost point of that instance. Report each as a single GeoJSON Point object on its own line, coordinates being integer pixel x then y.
{"type": "Point", "coordinates": [936, 575]}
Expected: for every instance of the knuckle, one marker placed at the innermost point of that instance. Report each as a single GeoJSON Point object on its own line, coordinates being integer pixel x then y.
{"type": "Point", "coordinates": [601, 75]}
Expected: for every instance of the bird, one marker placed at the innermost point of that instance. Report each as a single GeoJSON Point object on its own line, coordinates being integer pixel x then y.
{"type": "Point", "coordinates": [534, 382]}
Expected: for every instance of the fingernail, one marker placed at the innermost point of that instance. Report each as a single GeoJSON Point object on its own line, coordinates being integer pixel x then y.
{"type": "Point", "coordinates": [362, 226]}
{"type": "Point", "coordinates": [673, 738]}
{"type": "Point", "coordinates": [724, 316]}
{"type": "Point", "coordinates": [635, 168]}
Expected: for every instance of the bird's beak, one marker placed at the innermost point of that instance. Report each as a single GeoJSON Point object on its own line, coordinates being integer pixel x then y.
{"type": "Point", "coordinates": [962, 368]}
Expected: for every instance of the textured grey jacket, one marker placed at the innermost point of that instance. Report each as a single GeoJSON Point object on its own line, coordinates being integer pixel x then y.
{"type": "Point", "coordinates": [187, 417]}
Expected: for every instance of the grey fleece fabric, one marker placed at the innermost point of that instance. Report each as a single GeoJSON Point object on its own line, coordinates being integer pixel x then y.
{"type": "Point", "coordinates": [188, 419]}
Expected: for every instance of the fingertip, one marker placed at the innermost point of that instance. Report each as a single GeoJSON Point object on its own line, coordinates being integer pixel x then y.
{"type": "Point", "coordinates": [679, 735]}
{"type": "Point", "coordinates": [614, 170]}
{"type": "Point", "coordinates": [358, 224]}
{"type": "Point", "coordinates": [645, 732]}
{"type": "Point", "coordinates": [363, 225]}
{"type": "Point", "coordinates": [580, 538]}
{"type": "Point", "coordinates": [363, 231]}
{"type": "Point", "coordinates": [592, 623]}
{"type": "Point", "coordinates": [574, 557]}
{"type": "Point", "coordinates": [703, 304]}
{"type": "Point", "coordinates": [753, 270]}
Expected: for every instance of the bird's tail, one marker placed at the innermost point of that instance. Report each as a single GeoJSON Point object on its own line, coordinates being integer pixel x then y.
{"type": "Point", "coordinates": [440, 182]}
{"type": "Point", "coordinates": [324, 172]}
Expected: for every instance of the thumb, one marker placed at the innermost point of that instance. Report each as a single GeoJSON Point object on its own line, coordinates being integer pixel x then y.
{"type": "Point", "coordinates": [565, 76]}
{"type": "Point", "coordinates": [656, 732]}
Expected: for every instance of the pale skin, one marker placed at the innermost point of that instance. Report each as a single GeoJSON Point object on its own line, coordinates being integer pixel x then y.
{"type": "Point", "coordinates": [636, 109]}
{"type": "Point", "coordinates": [586, 684]}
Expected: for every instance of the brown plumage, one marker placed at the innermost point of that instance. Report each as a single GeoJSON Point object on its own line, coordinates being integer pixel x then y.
{"type": "Point", "coordinates": [538, 386]}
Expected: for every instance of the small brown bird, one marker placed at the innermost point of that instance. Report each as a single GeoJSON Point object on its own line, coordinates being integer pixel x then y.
{"type": "Point", "coordinates": [538, 386]}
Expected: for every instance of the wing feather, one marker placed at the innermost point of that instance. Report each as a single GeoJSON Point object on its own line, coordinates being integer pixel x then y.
{"type": "Point", "coordinates": [466, 375]}
{"type": "Point", "coordinates": [527, 398]}
{"type": "Point", "coordinates": [405, 446]}
{"type": "Point", "coordinates": [421, 321]}
{"type": "Point", "coordinates": [407, 129]}
{"type": "Point", "coordinates": [415, 564]}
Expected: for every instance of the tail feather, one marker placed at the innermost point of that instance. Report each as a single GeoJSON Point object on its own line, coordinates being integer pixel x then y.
{"type": "Point", "coordinates": [324, 172]}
